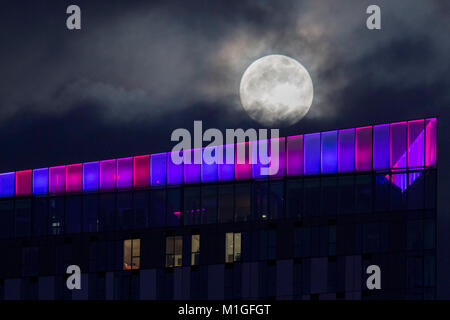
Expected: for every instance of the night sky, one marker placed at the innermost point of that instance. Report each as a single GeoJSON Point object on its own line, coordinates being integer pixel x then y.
{"type": "Point", "coordinates": [140, 69]}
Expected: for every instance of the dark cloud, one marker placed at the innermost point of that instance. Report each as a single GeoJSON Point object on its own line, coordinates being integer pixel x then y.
{"type": "Point", "coordinates": [139, 69]}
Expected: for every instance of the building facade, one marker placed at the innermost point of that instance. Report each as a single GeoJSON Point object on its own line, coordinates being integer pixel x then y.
{"type": "Point", "coordinates": [146, 228]}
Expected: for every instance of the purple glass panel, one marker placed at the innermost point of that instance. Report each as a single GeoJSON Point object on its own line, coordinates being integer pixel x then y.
{"type": "Point", "coordinates": [209, 170]}
{"type": "Point", "coordinates": [261, 158]}
{"type": "Point", "coordinates": [416, 143]}
{"type": "Point", "coordinates": [398, 145]}
{"type": "Point", "coordinates": [400, 180]}
{"type": "Point", "coordinates": [40, 181]}
{"type": "Point", "coordinates": [430, 142]}
{"type": "Point", "coordinates": [243, 167]}
{"type": "Point", "coordinates": [192, 169]}
{"type": "Point", "coordinates": [158, 169]}
{"type": "Point", "coordinates": [381, 147]}
{"type": "Point", "coordinates": [124, 173]}
{"type": "Point", "coordinates": [363, 157]}
{"type": "Point", "coordinates": [107, 175]}
{"type": "Point", "coordinates": [346, 153]}
{"type": "Point", "coordinates": [174, 170]}
{"type": "Point", "coordinates": [7, 184]}
{"type": "Point", "coordinates": [225, 169]}
{"type": "Point", "coordinates": [91, 175]}
{"type": "Point", "coordinates": [57, 180]}
{"type": "Point", "coordinates": [278, 162]}
{"type": "Point", "coordinates": [295, 156]}
{"type": "Point", "coordinates": [329, 152]}
{"type": "Point", "coordinates": [312, 153]}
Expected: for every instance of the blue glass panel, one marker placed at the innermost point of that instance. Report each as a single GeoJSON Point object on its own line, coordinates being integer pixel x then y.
{"type": "Point", "coordinates": [312, 153]}
{"type": "Point", "coordinates": [91, 176]}
{"type": "Point", "coordinates": [346, 153]}
{"type": "Point", "coordinates": [7, 184]}
{"type": "Point", "coordinates": [40, 181]}
{"type": "Point", "coordinates": [381, 147]}
{"type": "Point", "coordinates": [329, 152]}
{"type": "Point", "coordinates": [158, 166]}
{"type": "Point", "coordinates": [209, 171]}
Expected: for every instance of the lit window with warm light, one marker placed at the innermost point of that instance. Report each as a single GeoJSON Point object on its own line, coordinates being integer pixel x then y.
{"type": "Point", "coordinates": [131, 254]}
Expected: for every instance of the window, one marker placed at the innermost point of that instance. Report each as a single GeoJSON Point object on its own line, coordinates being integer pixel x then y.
{"type": "Point", "coordinates": [232, 247]}
{"type": "Point", "coordinates": [131, 254]}
{"type": "Point", "coordinates": [195, 250]}
{"type": "Point", "coordinates": [174, 251]}
{"type": "Point", "coordinates": [226, 203]}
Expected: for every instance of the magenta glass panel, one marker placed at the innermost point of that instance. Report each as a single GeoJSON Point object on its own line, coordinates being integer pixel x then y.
{"type": "Point", "coordinates": [430, 142]}
{"type": "Point", "coordinates": [174, 171]}
{"type": "Point", "coordinates": [158, 171]}
{"type": "Point", "coordinates": [141, 171]}
{"type": "Point", "coordinates": [363, 157]}
{"type": "Point", "coordinates": [225, 169]}
{"type": "Point", "coordinates": [57, 179]}
{"type": "Point", "coordinates": [346, 151]}
{"type": "Point", "coordinates": [192, 170]}
{"type": "Point", "coordinates": [398, 145]}
{"type": "Point", "coordinates": [278, 162]}
{"type": "Point", "coordinates": [91, 173]}
{"type": "Point", "coordinates": [209, 171]}
{"type": "Point", "coordinates": [329, 152]}
{"type": "Point", "coordinates": [312, 153]}
{"type": "Point", "coordinates": [74, 177]}
{"type": "Point", "coordinates": [124, 173]}
{"type": "Point", "coordinates": [294, 156]}
{"type": "Point", "coordinates": [40, 181]}
{"type": "Point", "coordinates": [23, 182]}
{"type": "Point", "coordinates": [416, 143]}
{"type": "Point", "coordinates": [107, 175]}
{"type": "Point", "coordinates": [7, 184]}
{"type": "Point", "coordinates": [259, 162]}
{"type": "Point", "coordinates": [243, 167]}
{"type": "Point", "coordinates": [381, 147]}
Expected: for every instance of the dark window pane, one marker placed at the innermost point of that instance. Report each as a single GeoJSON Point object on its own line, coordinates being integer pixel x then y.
{"type": "Point", "coordinates": [158, 208]}
{"type": "Point", "coordinates": [430, 187]}
{"type": "Point", "coordinates": [364, 193]}
{"type": "Point", "coordinates": [107, 211]}
{"type": "Point", "coordinates": [23, 218]}
{"type": "Point", "coordinates": [209, 204]}
{"type": "Point", "coordinates": [260, 200]}
{"type": "Point", "coordinates": [90, 213]}
{"type": "Point", "coordinates": [346, 190]}
{"type": "Point", "coordinates": [276, 200]}
{"type": "Point", "coordinates": [381, 202]}
{"type": "Point", "coordinates": [73, 214]}
{"type": "Point", "coordinates": [6, 219]}
{"type": "Point", "coordinates": [243, 201]}
{"type": "Point", "coordinates": [329, 196]}
{"type": "Point", "coordinates": [294, 195]}
{"type": "Point", "coordinates": [192, 207]}
{"type": "Point", "coordinates": [124, 214]}
{"type": "Point", "coordinates": [312, 197]}
{"type": "Point", "coordinates": [39, 216]}
{"type": "Point", "coordinates": [398, 194]}
{"type": "Point", "coordinates": [416, 190]}
{"type": "Point", "coordinates": [173, 207]}
{"type": "Point", "coordinates": [226, 203]}
{"type": "Point", "coordinates": [141, 209]}
{"type": "Point", "coordinates": [56, 216]}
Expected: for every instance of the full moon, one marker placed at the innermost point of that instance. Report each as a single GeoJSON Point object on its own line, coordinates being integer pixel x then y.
{"type": "Point", "coordinates": [276, 90]}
